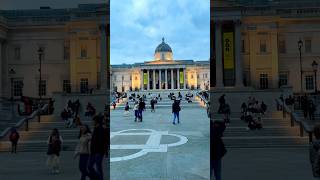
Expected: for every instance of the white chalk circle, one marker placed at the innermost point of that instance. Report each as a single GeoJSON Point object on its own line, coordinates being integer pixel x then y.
{"type": "Point", "coordinates": [152, 144]}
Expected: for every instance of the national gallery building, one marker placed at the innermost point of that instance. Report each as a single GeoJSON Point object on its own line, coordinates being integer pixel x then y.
{"type": "Point", "coordinates": [162, 73]}
{"type": "Point", "coordinates": [53, 50]}
{"type": "Point", "coordinates": [258, 44]}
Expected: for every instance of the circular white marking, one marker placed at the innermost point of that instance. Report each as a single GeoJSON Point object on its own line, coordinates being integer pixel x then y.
{"type": "Point", "coordinates": [152, 144]}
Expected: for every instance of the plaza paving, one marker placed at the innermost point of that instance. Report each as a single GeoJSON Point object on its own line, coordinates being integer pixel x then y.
{"type": "Point", "coordinates": [182, 161]}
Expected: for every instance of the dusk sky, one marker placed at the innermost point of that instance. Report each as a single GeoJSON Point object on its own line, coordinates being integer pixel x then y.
{"type": "Point", "coordinates": [35, 4]}
{"type": "Point", "coordinates": [137, 27]}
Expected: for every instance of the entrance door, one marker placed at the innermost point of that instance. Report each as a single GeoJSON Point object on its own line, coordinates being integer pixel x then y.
{"type": "Point", "coordinates": [264, 84]}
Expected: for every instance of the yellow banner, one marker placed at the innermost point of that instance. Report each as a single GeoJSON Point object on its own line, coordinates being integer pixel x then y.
{"type": "Point", "coordinates": [145, 78]}
{"type": "Point", "coordinates": [228, 52]}
{"type": "Point", "coordinates": [181, 77]}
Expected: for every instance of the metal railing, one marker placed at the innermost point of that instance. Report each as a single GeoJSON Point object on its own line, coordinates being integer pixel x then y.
{"type": "Point", "coordinates": [294, 118]}
{"type": "Point", "coordinates": [25, 121]}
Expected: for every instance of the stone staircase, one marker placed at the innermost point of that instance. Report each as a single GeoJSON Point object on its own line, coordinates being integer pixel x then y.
{"type": "Point", "coordinates": [35, 140]}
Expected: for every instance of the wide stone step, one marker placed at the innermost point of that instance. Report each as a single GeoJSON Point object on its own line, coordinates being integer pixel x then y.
{"type": "Point", "coordinates": [37, 146]}
{"type": "Point", "coordinates": [266, 142]}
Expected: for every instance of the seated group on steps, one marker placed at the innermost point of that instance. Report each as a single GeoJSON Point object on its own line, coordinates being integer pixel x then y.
{"type": "Point", "coordinates": [252, 112]}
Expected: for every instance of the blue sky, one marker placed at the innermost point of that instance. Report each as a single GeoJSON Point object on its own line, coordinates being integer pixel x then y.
{"type": "Point", "coordinates": [137, 27]}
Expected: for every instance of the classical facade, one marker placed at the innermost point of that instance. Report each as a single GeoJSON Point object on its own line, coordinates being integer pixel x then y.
{"type": "Point", "coordinates": [258, 43]}
{"type": "Point", "coordinates": [162, 73]}
{"type": "Point", "coordinates": [74, 50]}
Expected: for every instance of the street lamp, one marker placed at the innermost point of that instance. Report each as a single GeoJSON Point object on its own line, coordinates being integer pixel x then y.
{"type": "Point", "coordinates": [40, 53]}
{"type": "Point", "coordinates": [300, 44]}
{"type": "Point", "coordinates": [122, 88]}
{"type": "Point", "coordinates": [315, 69]}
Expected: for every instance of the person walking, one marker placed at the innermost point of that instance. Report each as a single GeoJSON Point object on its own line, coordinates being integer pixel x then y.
{"type": "Point", "coordinates": [312, 110]}
{"type": "Point", "coordinates": [83, 150]}
{"type": "Point", "coordinates": [218, 149]}
{"type": "Point", "coordinates": [98, 149]}
{"type": "Point", "coordinates": [175, 110]}
{"type": "Point", "coordinates": [136, 111]}
{"type": "Point", "coordinates": [152, 102]}
{"type": "Point", "coordinates": [54, 148]}
{"type": "Point", "coordinates": [126, 109]}
{"type": "Point", "coordinates": [14, 138]}
{"type": "Point", "coordinates": [142, 106]}
{"type": "Point", "coordinates": [314, 152]}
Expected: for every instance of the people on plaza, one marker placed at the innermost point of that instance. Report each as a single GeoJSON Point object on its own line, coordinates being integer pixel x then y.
{"type": "Point", "coordinates": [90, 110]}
{"type": "Point", "coordinates": [217, 148]}
{"type": "Point", "coordinates": [226, 111]}
{"type": "Point", "coordinates": [142, 106]}
{"type": "Point", "coordinates": [152, 103]}
{"type": "Point", "coordinates": [83, 150]}
{"type": "Point", "coordinates": [14, 138]}
{"type": "Point", "coordinates": [126, 109]}
{"type": "Point", "coordinates": [314, 152]}
{"type": "Point", "coordinates": [136, 111]}
{"type": "Point", "coordinates": [175, 110]}
{"type": "Point", "coordinates": [54, 147]}
{"type": "Point", "coordinates": [98, 148]}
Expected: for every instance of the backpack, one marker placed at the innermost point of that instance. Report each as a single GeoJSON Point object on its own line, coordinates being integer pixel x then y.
{"type": "Point", "coordinates": [14, 136]}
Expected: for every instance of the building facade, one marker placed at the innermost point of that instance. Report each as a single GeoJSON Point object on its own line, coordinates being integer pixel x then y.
{"type": "Point", "coordinates": [258, 43]}
{"type": "Point", "coordinates": [74, 44]}
{"type": "Point", "coordinates": [162, 73]}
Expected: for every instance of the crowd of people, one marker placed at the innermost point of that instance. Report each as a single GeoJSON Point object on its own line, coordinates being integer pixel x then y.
{"type": "Point", "coordinates": [252, 112]}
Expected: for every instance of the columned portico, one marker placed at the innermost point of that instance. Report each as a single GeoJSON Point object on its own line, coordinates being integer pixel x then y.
{"type": "Point", "coordinates": [166, 78]}
{"type": "Point", "coordinates": [172, 86]}
{"type": "Point", "coordinates": [239, 69]}
{"type": "Point", "coordinates": [219, 71]}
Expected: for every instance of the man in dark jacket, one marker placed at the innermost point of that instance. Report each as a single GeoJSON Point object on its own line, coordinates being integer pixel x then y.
{"type": "Point", "coordinates": [98, 148]}
{"type": "Point", "coordinates": [175, 110]}
{"type": "Point", "coordinates": [217, 148]}
{"type": "Point", "coordinates": [142, 106]}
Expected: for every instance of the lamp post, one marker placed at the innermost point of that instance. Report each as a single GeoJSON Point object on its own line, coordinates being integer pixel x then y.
{"type": "Point", "coordinates": [40, 53]}
{"type": "Point", "coordinates": [122, 89]}
{"type": "Point", "coordinates": [300, 44]}
{"type": "Point", "coordinates": [315, 69]}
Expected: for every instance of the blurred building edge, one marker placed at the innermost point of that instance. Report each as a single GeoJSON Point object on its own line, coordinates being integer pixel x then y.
{"type": "Point", "coordinates": [255, 44]}
{"type": "Point", "coordinates": [75, 42]}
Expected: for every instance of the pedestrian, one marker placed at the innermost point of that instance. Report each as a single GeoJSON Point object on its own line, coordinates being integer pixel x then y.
{"type": "Point", "coordinates": [312, 109]}
{"type": "Point", "coordinates": [141, 109]}
{"type": "Point", "coordinates": [136, 111]}
{"type": "Point", "coordinates": [14, 138]}
{"type": "Point", "coordinates": [305, 106]}
{"type": "Point", "coordinates": [98, 148]}
{"type": "Point", "coordinates": [152, 102]}
{"type": "Point", "coordinates": [222, 102]}
{"type": "Point", "coordinates": [218, 149]}
{"type": "Point", "coordinates": [126, 109]}
{"type": "Point", "coordinates": [54, 148]}
{"type": "Point", "coordinates": [226, 112]}
{"type": "Point", "coordinates": [175, 110]}
{"type": "Point", "coordinates": [314, 152]}
{"type": "Point", "coordinates": [83, 150]}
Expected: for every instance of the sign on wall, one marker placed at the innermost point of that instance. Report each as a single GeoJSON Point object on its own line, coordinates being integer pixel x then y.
{"type": "Point", "coordinates": [228, 50]}
{"type": "Point", "coordinates": [145, 78]}
{"type": "Point", "coordinates": [181, 77]}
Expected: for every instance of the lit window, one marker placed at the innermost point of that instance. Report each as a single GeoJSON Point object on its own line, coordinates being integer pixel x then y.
{"type": "Point", "coordinates": [17, 87]}
{"type": "Point", "coordinates": [84, 85]}
{"type": "Point", "coordinates": [42, 88]}
{"type": "Point", "coordinates": [264, 81]}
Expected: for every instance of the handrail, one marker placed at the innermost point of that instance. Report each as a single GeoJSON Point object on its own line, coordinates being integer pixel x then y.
{"type": "Point", "coordinates": [295, 118]}
{"type": "Point", "coordinates": [24, 121]}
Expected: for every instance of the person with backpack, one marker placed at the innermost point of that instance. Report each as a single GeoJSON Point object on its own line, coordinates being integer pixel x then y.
{"type": "Point", "coordinates": [152, 102]}
{"type": "Point", "coordinates": [126, 109]}
{"type": "Point", "coordinates": [136, 111]}
{"type": "Point", "coordinates": [14, 138]}
{"type": "Point", "coordinates": [83, 150]}
{"type": "Point", "coordinates": [54, 147]}
{"type": "Point", "coordinates": [175, 110]}
{"type": "Point", "coordinates": [314, 152]}
{"type": "Point", "coordinates": [142, 106]}
{"type": "Point", "coordinates": [217, 148]}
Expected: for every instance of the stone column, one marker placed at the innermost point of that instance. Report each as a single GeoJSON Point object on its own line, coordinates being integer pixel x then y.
{"type": "Point", "coordinates": [178, 78]}
{"type": "Point", "coordinates": [141, 80]}
{"type": "Point", "coordinates": [154, 79]}
{"type": "Point", "coordinates": [103, 57]}
{"type": "Point", "coordinates": [160, 79]}
{"type": "Point", "coordinates": [239, 68]}
{"type": "Point", "coordinates": [184, 78]}
{"type": "Point", "coordinates": [219, 70]}
{"type": "Point", "coordinates": [172, 87]}
{"type": "Point", "coordinates": [166, 78]}
{"type": "Point", "coordinates": [148, 85]}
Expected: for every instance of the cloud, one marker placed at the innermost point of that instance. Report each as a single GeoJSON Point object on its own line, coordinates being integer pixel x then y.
{"type": "Point", "coordinates": [138, 26]}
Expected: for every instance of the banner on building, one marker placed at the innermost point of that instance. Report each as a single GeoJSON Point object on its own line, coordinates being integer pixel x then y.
{"type": "Point", "coordinates": [228, 50]}
{"type": "Point", "coordinates": [145, 78]}
{"type": "Point", "coordinates": [181, 77]}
